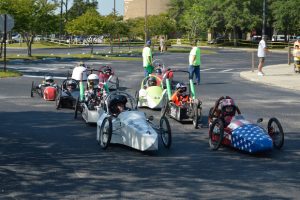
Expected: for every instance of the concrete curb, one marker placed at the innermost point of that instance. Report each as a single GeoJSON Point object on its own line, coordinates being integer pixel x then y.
{"type": "Point", "coordinates": [282, 76]}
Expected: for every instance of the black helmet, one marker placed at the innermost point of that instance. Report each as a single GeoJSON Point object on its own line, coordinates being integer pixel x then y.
{"type": "Point", "coordinates": [158, 71]}
{"type": "Point", "coordinates": [152, 81]}
{"type": "Point", "coordinates": [71, 83]}
{"type": "Point", "coordinates": [116, 100]}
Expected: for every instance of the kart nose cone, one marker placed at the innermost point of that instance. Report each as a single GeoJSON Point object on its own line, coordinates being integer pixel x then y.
{"type": "Point", "coordinates": [251, 138]}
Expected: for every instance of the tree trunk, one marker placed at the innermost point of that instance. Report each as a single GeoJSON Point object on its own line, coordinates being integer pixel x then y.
{"type": "Point", "coordinates": [111, 44]}
{"type": "Point", "coordinates": [234, 37]}
{"type": "Point", "coordinates": [92, 47]}
{"type": "Point", "coordinates": [1, 49]}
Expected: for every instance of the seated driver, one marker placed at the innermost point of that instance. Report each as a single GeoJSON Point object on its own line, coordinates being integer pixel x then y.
{"type": "Point", "coordinates": [180, 96]}
{"type": "Point", "coordinates": [48, 81]}
{"type": "Point", "coordinates": [118, 105]}
{"type": "Point", "coordinates": [71, 85]}
{"type": "Point", "coordinates": [228, 110]}
{"type": "Point", "coordinates": [151, 81]}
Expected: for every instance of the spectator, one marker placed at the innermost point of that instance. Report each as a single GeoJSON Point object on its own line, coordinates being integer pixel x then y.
{"type": "Point", "coordinates": [195, 62]}
{"type": "Point", "coordinates": [147, 59]}
{"type": "Point", "coordinates": [261, 54]}
{"type": "Point", "coordinates": [162, 44]}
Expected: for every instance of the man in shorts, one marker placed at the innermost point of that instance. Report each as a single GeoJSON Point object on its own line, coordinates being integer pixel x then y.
{"type": "Point", "coordinates": [261, 54]}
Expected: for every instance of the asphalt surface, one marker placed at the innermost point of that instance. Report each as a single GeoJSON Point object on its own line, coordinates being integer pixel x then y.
{"type": "Point", "coordinates": [46, 154]}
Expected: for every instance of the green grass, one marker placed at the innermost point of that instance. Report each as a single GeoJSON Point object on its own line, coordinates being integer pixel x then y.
{"type": "Point", "coordinates": [9, 73]}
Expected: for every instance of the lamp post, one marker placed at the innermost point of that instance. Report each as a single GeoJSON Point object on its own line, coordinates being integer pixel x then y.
{"type": "Point", "coordinates": [264, 18]}
{"type": "Point", "coordinates": [146, 26]}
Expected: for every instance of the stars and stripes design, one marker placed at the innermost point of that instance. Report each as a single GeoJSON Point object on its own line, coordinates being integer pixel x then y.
{"type": "Point", "coordinates": [251, 138]}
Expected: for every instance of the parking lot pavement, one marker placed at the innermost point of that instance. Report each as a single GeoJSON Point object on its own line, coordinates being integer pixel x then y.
{"type": "Point", "coordinates": [282, 75]}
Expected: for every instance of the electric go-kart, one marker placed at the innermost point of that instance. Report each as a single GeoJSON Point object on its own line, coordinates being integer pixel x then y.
{"type": "Point", "coordinates": [47, 89]}
{"type": "Point", "coordinates": [227, 128]}
{"type": "Point", "coordinates": [90, 99]}
{"type": "Point", "coordinates": [127, 126]}
{"type": "Point", "coordinates": [182, 105]}
{"type": "Point", "coordinates": [151, 93]}
{"type": "Point", "coordinates": [107, 75]}
{"type": "Point", "coordinates": [68, 93]}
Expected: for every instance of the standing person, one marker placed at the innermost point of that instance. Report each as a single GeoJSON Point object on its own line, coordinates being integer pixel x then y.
{"type": "Point", "coordinates": [162, 44]}
{"type": "Point", "coordinates": [261, 54]}
{"type": "Point", "coordinates": [147, 59]}
{"type": "Point", "coordinates": [195, 62]}
{"type": "Point", "coordinates": [297, 42]}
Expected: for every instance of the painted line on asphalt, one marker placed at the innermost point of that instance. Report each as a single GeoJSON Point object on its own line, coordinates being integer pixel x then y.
{"type": "Point", "coordinates": [202, 70]}
{"type": "Point", "coordinates": [226, 70]}
{"type": "Point", "coordinates": [55, 77]}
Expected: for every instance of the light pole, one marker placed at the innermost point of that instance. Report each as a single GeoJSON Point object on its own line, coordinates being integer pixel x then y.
{"type": "Point", "coordinates": [146, 26]}
{"type": "Point", "coordinates": [264, 18]}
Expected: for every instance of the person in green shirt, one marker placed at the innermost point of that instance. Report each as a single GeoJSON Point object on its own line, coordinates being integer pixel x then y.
{"type": "Point", "coordinates": [147, 59]}
{"type": "Point", "coordinates": [195, 62]}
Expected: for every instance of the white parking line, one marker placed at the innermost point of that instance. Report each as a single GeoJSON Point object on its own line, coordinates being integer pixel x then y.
{"type": "Point", "coordinates": [226, 70]}
{"type": "Point", "coordinates": [55, 77]}
{"type": "Point", "coordinates": [202, 70]}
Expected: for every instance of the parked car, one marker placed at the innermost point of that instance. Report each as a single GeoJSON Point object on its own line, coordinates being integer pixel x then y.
{"type": "Point", "coordinates": [16, 37]}
{"type": "Point", "coordinates": [278, 38]}
{"type": "Point", "coordinates": [218, 40]}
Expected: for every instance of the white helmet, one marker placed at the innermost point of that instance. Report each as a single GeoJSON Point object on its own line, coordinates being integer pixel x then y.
{"type": "Point", "coordinates": [93, 80]}
{"type": "Point", "coordinates": [49, 79]}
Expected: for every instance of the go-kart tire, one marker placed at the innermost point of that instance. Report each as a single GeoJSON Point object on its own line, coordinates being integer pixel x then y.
{"type": "Point", "coordinates": [195, 113]}
{"type": "Point", "coordinates": [77, 104]}
{"type": "Point", "coordinates": [117, 83]}
{"type": "Point", "coordinates": [58, 102]}
{"type": "Point", "coordinates": [215, 138]}
{"type": "Point", "coordinates": [165, 132]}
{"type": "Point", "coordinates": [105, 133]}
{"type": "Point", "coordinates": [31, 92]}
{"type": "Point", "coordinates": [137, 96]}
{"type": "Point", "coordinates": [165, 108]}
{"type": "Point", "coordinates": [276, 134]}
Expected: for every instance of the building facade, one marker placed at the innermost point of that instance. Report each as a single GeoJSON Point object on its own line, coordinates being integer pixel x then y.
{"type": "Point", "coordinates": [137, 8]}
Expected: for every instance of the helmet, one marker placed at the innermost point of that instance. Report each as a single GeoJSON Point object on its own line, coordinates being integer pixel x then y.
{"type": "Point", "coordinates": [148, 43]}
{"type": "Point", "coordinates": [49, 79]}
{"type": "Point", "coordinates": [181, 87]}
{"type": "Point", "coordinates": [93, 80]}
{"type": "Point", "coordinates": [81, 64]}
{"type": "Point", "coordinates": [152, 81]}
{"type": "Point", "coordinates": [158, 71]}
{"type": "Point", "coordinates": [107, 70]}
{"type": "Point", "coordinates": [228, 107]}
{"type": "Point", "coordinates": [118, 99]}
{"type": "Point", "coordinates": [71, 83]}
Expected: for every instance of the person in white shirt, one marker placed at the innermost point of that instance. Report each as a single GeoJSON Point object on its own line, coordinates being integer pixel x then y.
{"type": "Point", "coordinates": [261, 54]}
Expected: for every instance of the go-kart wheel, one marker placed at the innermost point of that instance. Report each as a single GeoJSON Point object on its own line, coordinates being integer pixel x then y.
{"type": "Point", "coordinates": [31, 92]}
{"type": "Point", "coordinates": [275, 131]}
{"type": "Point", "coordinates": [216, 132]}
{"type": "Point", "coordinates": [58, 102]}
{"type": "Point", "coordinates": [117, 83]}
{"type": "Point", "coordinates": [165, 132]}
{"type": "Point", "coordinates": [195, 113]}
{"type": "Point", "coordinates": [77, 104]}
{"type": "Point", "coordinates": [105, 132]}
{"type": "Point", "coordinates": [165, 106]}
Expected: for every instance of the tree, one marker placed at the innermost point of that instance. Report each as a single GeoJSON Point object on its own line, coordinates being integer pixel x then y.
{"type": "Point", "coordinates": [286, 16]}
{"type": "Point", "coordinates": [161, 25]}
{"type": "Point", "coordinates": [80, 7]}
{"type": "Point", "coordinates": [90, 23]}
{"type": "Point", "coordinates": [114, 26]}
{"type": "Point", "coordinates": [31, 17]}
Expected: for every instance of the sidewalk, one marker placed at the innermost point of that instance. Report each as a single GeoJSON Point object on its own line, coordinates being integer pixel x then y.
{"type": "Point", "coordinates": [282, 75]}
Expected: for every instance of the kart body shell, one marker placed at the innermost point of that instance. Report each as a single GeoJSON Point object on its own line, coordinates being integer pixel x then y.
{"type": "Point", "coordinates": [151, 96]}
{"type": "Point", "coordinates": [50, 93]}
{"type": "Point", "coordinates": [131, 127]}
{"type": "Point", "coordinates": [237, 132]}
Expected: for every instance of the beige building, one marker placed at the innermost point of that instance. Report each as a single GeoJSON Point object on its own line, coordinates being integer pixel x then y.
{"type": "Point", "coordinates": [136, 8]}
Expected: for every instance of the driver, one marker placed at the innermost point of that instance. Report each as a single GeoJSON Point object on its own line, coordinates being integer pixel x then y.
{"type": "Point", "coordinates": [48, 81]}
{"type": "Point", "coordinates": [71, 85]}
{"type": "Point", "coordinates": [118, 104]}
{"type": "Point", "coordinates": [151, 81]}
{"type": "Point", "coordinates": [228, 110]}
{"type": "Point", "coordinates": [180, 96]}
